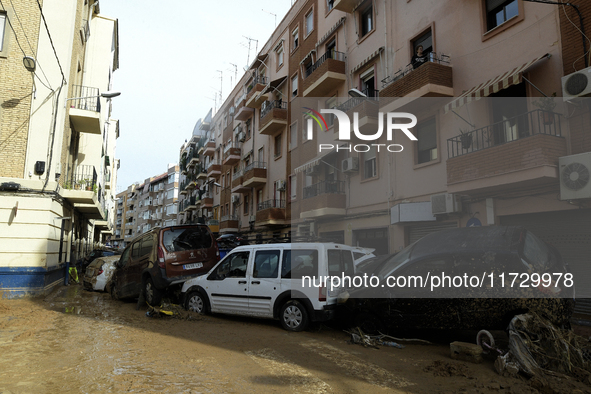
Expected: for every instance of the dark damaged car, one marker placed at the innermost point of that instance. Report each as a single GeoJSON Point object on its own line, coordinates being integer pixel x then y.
{"type": "Point", "coordinates": [499, 272]}
{"type": "Point", "coordinates": [161, 258]}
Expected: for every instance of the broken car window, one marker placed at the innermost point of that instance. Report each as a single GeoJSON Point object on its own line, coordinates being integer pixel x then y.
{"type": "Point", "coordinates": [190, 238]}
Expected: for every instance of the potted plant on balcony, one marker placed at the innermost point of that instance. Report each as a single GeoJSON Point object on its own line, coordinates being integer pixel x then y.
{"type": "Point", "coordinates": [547, 105]}
{"type": "Point", "coordinates": [465, 139]}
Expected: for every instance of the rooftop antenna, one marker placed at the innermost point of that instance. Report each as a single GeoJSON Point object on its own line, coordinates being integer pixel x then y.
{"type": "Point", "coordinates": [275, 15]}
{"type": "Point", "coordinates": [235, 72]}
{"type": "Point", "coordinates": [221, 83]}
{"type": "Point", "coordinates": [249, 44]}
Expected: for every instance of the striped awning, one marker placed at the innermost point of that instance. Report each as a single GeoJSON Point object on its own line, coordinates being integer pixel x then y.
{"type": "Point", "coordinates": [367, 60]}
{"type": "Point", "coordinates": [315, 162]}
{"type": "Point", "coordinates": [500, 82]}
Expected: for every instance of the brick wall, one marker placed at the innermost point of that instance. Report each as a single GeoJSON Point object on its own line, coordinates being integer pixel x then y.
{"type": "Point", "coordinates": [275, 113]}
{"type": "Point", "coordinates": [530, 152]}
{"type": "Point", "coordinates": [324, 201]}
{"type": "Point", "coordinates": [330, 65]}
{"type": "Point", "coordinates": [428, 73]}
{"type": "Point", "coordinates": [572, 41]}
{"type": "Point", "coordinates": [16, 87]}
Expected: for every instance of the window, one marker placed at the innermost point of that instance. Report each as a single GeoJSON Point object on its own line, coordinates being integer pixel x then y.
{"type": "Point", "coordinates": [299, 262]}
{"type": "Point", "coordinates": [499, 12]}
{"type": "Point", "coordinates": [294, 86]}
{"type": "Point", "coordinates": [368, 84]}
{"type": "Point", "coordinates": [370, 167]}
{"type": "Point", "coordinates": [293, 187]}
{"type": "Point", "coordinates": [427, 141]}
{"type": "Point", "coordinates": [331, 48]}
{"type": "Point", "coordinates": [248, 128]}
{"type": "Point", "coordinates": [309, 22]}
{"type": "Point", "coordinates": [246, 204]}
{"type": "Point", "coordinates": [266, 264]}
{"type": "Point", "coordinates": [293, 135]}
{"type": "Point", "coordinates": [280, 56]}
{"type": "Point", "coordinates": [225, 120]}
{"type": "Point", "coordinates": [261, 155]}
{"type": "Point", "coordinates": [233, 266]}
{"type": "Point", "coordinates": [295, 39]}
{"type": "Point", "coordinates": [329, 5]}
{"type": "Point", "coordinates": [3, 34]}
{"type": "Point", "coordinates": [308, 126]}
{"type": "Point", "coordinates": [278, 146]}
{"type": "Point", "coordinates": [147, 244]}
{"type": "Point", "coordinates": [366, 21]}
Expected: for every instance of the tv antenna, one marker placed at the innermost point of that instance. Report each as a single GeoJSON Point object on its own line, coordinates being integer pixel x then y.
{"type": "Point", "coordinates": [221, 83]}
{"type": "Point", "coordinates": [235, 72]}
{"type": "Point", "coordinates": [275, 15]}
{"type": "Point", "coordinates": [250, 40]}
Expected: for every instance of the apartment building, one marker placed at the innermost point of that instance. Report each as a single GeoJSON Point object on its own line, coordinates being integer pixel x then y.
{"type": "Point", "coordinates": [58, 169]}
{"type": "Point", "coordinates": [144, 206]}
{"type": "Point", "coordinates": [489, 149]}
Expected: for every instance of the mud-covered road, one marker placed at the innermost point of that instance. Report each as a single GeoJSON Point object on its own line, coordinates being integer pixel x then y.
{"type": "Point", "coordinates": [79, 341]}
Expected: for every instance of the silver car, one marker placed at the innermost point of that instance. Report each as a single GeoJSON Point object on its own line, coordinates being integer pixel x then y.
{"type": "Point", "coordinates": [98, 274]}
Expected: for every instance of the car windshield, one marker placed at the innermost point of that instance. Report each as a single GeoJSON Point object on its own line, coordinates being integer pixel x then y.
{"type": "Point", "coordinates": [536, 252]}
{"type": "Point", "coordinates": [189, 238]}
{"type": "Point", "coordinates": [396, 261]}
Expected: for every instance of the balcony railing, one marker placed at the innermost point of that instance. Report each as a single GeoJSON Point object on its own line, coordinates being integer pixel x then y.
{"type": "Point", "coordinates": [214, 163]}
{"type": "Point", "coordinates": [84, 177]}
{"type": "Point", "coordinates": [521, 126]}
{"type": "Point", "coordinates": [88, 98]}
{"type": "Point", "coordinates": [324, 187]}
{"type": "Point", "coordinates": [267, 106]}
{"type": "Point", "coordinates": [255, 81]}
{"type": "Point", "coordinates": [335, 55]}
{"type": "Point", "coordinates": [213, 222]}
{"type": "Point", "coordinates": [231, 145]}
{"type": "Point", "coordinates": [271, 204]}
{"type": "Point", "coordinates": [237, 174]}
{"type": "Point", "coordinates": [227, 218]}
{"type": "Point", "coordinates": [255, 164]}
{"type": "Point", "coordinates": [432, 57]}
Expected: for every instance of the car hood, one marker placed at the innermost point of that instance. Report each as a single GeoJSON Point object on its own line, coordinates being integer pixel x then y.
{"type": "Point", "coordinates": [198, 281]}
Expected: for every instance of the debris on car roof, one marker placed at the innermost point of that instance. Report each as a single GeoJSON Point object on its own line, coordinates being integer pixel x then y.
{"type": "Point", "coordinates": [538, 348]}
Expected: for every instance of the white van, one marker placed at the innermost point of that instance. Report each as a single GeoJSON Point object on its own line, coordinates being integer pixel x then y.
{"type": "Point", "coordinates": [266, 281]}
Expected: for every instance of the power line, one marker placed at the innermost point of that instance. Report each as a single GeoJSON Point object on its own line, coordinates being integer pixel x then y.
{"type": "Point", "coordinates": [31, 47]}
{"type": "Point", "coordinates": [51, 41]}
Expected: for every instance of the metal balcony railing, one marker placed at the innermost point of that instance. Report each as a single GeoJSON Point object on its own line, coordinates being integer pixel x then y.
{"type": "Point", "coordinates": [227, 218]}
{"type": "Point", "coordinates": [214, 163]}
{"type": "Point", "coordinates": [340, 56]}
{"type": "Point", "coordinates": [256, 80]}
{"type": "Point", "coordinates": [255, 164]}
{"type": "Point", "coordinates": [432, 57]}
{"type": "Point", "coordinates": [86, 98]}
{"type": "Point", "coordinates": [267, 106]}
{"type": "Point", "coordinates": [372, 95]}
{"type": "Point", "coordinates": [231, 145]}
{"type": "Point", "coordinates": [237, 174]}
{"type": "Point", "coordinates": [271, 204]}
{"type": "Point", "coordinates": [324, 187]}
{"type": "Point", "coordinates": [84, 177]}
{"type": "Point", "coordinates": [506, 131]}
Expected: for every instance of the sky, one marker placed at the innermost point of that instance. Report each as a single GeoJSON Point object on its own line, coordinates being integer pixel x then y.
{"type": "Point", "coordinates": [168, 71]}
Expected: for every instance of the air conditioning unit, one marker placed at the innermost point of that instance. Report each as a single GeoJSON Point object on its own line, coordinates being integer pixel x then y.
{"type": "Point", "coordinates": [210, 214]}
{"type": "Point", "coordinates": [252, 219]}
{"type": "Point", "coordinates": [350, 165]}
{"type": "Point", "coordinates": [575, 173]}
{"type": "Point", "coordinates": [577, 84]}
{"type": "Point", "coordinates": [281, 185]}
{"type": "Point", "coordinates": [445, 203]}
{"type": "Point", "coordinates": [235, 199]}
{"type": "Point", "coordinates": [242, 136]}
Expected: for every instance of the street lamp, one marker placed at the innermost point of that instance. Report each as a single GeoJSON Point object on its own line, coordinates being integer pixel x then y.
{"type": "Point", "coordinates": [108, 95]}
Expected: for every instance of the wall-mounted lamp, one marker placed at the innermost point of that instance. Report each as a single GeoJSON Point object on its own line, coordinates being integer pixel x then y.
{"type": "Point", "coordinates": [29, 63]}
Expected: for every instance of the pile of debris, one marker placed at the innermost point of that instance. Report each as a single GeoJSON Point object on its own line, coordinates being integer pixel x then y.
{"type": "Point", "coordinates": [538, 348]}
{"type": "Point", "coordinates": [359, 338]}
{"type": "Point", "coordinates": [172, 310]}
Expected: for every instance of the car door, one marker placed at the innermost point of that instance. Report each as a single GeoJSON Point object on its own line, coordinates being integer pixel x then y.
{"type": "Point", "coordinates": [227, 285]}
{"type": "Point", "coordinates": [124, 285]}
{"type": "Point", "coordinates": [264, 285]}
{"type": "Point", "coordinates": [140, 259]}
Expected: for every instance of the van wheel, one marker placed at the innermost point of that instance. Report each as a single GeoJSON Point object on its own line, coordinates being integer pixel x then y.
{"type": "Point", "coordinates": [195, 302]}
{"type": "Point", "coordinates": [151, 293]}
{"type": "Point", "coordinates": [294, 316]}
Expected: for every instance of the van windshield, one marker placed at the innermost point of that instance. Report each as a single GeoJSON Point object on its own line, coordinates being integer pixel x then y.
{"type": "Point", "coordinates": [179, 239]}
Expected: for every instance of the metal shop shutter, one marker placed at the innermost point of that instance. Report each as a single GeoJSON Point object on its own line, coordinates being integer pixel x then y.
{"type": "Point", "coordinates": [570, 232]}
{"type": "Point", "coordinates": [376, 238]}
{"type": "Point", "coordinates": [418, 231]}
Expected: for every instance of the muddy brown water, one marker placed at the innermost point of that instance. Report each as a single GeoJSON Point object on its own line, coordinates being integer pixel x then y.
{"type": "Point", "coordinates": [77, 341]}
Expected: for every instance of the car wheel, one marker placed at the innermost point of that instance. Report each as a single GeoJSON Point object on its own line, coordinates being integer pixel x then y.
{"type": "Point", "coordinates": [369, 323]}
{"type": "Point", "coordinates": [294, 316]}
{"type": "Point", "coordinates": [152, 295]}
{"type": "Point", "coordinates": [114, 292]}
{"type": "Point", "coordinates": [195, 302]}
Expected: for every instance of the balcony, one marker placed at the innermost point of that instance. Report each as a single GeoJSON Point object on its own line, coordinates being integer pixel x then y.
{"type": "Point", "coordinates": [81, 186]}
{"type": "Point", "coordinates": [191, 203]}
{"type": "Point", "coordinates": [432, 79]}
{"type": "Point", "coordinates": [229, 223]}
{"type": "Point", "coordinates": [201, 172]}
{"type": "Point", "coordinates": [232, 153]}
{"type": "Point", "coordinates": [214, 225]}
{"type": "Point", "coordinates": [244, 113]}
{"type": "Point", "coordinates": [271, 213]}
{"type": "Point", "coordinates": [326, 75]}
{"type": "Point", "coordinates": [214, 169]}
{"type": "Point", "coordinates": [183, 187]}
{"type": "Point", "coordinates": [209, 148]}
{"type": "Point", "coordinates": [367, 109]}
{"type": "Point", "coordinates": [192, 157]}
{"type": "Point", "coordinates": [253, 90]}
{"type": "Point", "coordinates": [237, 186]}
{"type": "Point", "coordinates": [324, 199]}
{"type": "Point", "coordinates": [108, 180]}
{"type": "Point", "coordinates": [255, 174]}
{"type": "Point", "coordinates": [85, 108]}
{"type": "Point", "coordinates": [345, 5]}
{"type": "Point", "coordinates": [273, 117]}
{"type": "Point", "coordinates": [519, 154]}
{"type": "Point", "coordinates": [207, 200]}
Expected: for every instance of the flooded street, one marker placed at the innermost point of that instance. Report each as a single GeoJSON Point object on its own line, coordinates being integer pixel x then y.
{"type": "Point", "coordinates": [79, 341]}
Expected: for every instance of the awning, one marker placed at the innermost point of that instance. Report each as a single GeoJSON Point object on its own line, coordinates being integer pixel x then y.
{"type": "Point", "coordinates": [332, 30]}
{"type": "Point", "coordinates": [314, 162]}
{"type": "Point", "coordinates": [367, 60]}
{"type": "Point", "coordinates": [308, 55]}
{"type": "Point", "coordinates": [493, 85]}
{"type": "Point", "coordinates": [259, 60]}
{"type": "Point", "coordinates": [274, 85]}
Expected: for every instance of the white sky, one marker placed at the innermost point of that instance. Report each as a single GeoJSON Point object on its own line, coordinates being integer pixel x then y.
{"type": "Point", "coordinates": [169, 57]}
